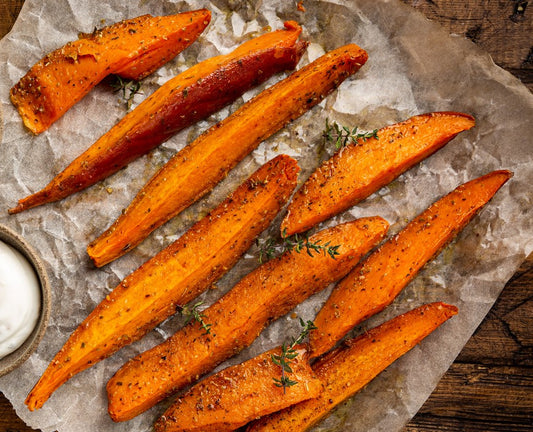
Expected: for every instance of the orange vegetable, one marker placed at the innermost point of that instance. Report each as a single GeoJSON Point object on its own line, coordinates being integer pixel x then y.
{"type": "Point", "coordinates": [174, 276]}
{"type": "Point", "coordinates": [358, 170]}
{"type": "Point", "coordinates": [197, 168]}
{"type": "Point", "coordinates": [236, 319]}
{"type": "Point", "coordinates": [132, 48]}
{"type": "Point", "coordinates": [375, 282]}
{"type": "Point", "coordinates": [349, 368]}
{"type": "Point", "coordinates": [239, 394]}
{"type": "Point", "coordinates": [180, 102]}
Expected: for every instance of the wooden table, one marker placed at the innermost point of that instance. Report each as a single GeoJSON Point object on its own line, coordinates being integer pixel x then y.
{"type": "Point", "coordinates": [490, 385]}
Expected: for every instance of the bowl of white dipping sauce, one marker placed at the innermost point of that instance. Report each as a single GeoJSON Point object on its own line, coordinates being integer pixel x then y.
{"type": "Point", "coordinates": [24, 300]}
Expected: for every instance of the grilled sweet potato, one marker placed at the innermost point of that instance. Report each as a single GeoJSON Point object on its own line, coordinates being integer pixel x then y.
{"type": "Point", "coordinates": [348, 369]}
{"type": "Point", "coordinates": [237, 318]}
{"type": "Point", "coordinates": [239, 394]}
{"type": "Point", "coordinates": [361, 168]}
{"type": "Point", "coordinates": [197, 168]}
{"type": "Point", "coordinates": [174, 276]}
{"type": "Point", "coordinates": [375, 282]}
{"type": "Point", "coordinates": [180, 102]}
{"type": "Point", "coordinates": [133, 48]}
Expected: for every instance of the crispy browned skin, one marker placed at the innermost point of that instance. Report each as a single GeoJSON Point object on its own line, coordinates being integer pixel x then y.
{"type": "Point", "coordinates": [173, 277]}
{"type": "Point", "coordinates": [239, 394]}
{"type": "Point", "coordinates": [197, 168]}
{"type": "Point", "coordinates": [132, 48]}
{"type": "Point", "coordinates": [349, 368]}
{"type": "Point", "coordinates": [185, 99]}
{"type": "Point", "coordinates": [358, 170]}
{"type": "Point", "coordinates": [238, 318]}
{"type": "Point", "coordinates": [376, 281]}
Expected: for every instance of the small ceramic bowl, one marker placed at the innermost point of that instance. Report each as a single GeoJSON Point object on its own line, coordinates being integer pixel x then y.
{"type": "Point", "coordinates": [21, 354]}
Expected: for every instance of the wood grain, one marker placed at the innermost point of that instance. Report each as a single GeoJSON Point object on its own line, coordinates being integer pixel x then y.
{"type": "Point", "coordinates": [499, 27]}
{"type": "Point", "coordinates": [490, 386]}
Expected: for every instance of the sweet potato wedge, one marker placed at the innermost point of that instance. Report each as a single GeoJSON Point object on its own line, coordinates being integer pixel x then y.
{"type": "Point", "coordinates": [132, 48]}
{"type": "Point", "coordinates": [349, 368]}
{"type": "Point", "coordinates": [197, 168]}
{"type": "Point", "coordinates": [180, 102]}
{"type": "Point", "coordinates": [174, 276]}
{"type": "Point", "coordinates": [237, 318]}
{"type": "Point", "coordinates": [239, 394]}
{"type": "Point", "coordinates": [358, 170]}
{"type": "Point", "coordinates": [375, 282]}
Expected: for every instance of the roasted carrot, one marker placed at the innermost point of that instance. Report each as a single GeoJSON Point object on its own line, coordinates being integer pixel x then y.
{"type": "Point", "coordinates": [360, 169]}
{"type": "Point", "coordinates": [180, 102]}
{"type": "Point", "coordinates": [349, 368]}
{"type": "Point", "coordinates": [239, 394]}
{"type": "Point", "coordinates": [197, 168]}
{"type": "Point", "coordinates": [174, 276]}
{"type": "Point", "coordinates": [236, 319]}
{"type": "Point", "coordinates": [375, 282]}
{"type": "Point", "coordinates": [133, 48]}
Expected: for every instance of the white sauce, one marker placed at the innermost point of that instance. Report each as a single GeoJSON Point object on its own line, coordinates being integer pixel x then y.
{"type": "Point", "coordinates": [20, 299]}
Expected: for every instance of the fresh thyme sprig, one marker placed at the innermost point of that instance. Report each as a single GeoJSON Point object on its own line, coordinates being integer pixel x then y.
{"type": "Point", "coordinates": [343, 135]}
{"type": "Point", "coordinates": [128, 88]}
{"type": "Point", "coordinates": [289, 353]}
{"type": "Point", "coordinates": [297, 243]}
{"type": "Point", "coordinates": [194, 313]}
{"type": "Point", "coordinates": [267, 250]}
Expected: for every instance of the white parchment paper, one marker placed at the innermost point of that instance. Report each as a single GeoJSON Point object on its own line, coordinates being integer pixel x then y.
{"type": "Point", "coordinates": [413, 67]}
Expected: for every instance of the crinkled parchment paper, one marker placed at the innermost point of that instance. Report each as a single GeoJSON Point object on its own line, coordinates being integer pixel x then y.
{"type": "Point", "coordinates": [413, 67]}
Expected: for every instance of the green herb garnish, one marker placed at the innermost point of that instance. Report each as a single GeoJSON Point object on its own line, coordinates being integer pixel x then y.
{"type": "Point", "coordinates": [289, 353]}
{"type": "Point", "coordinates": [128, 89]}
{"type": "Point", "coordinates": [343, 135]}
{"type": "Point", "coordinates": [194, 313]}
{"type": "Point", "coordinates": [297, 243]}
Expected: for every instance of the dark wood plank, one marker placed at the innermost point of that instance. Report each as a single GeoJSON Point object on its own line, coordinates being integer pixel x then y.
{"type": "Point", "coordinates": [502, 28]}
{"type": "Point", "coordinates": [434, 423]}
{"type": "Point", "coordinates": [477, 397]}
{"type": "Point", "coordinates": [483, 391]}
{"type": "Point", "coordinates": [9, 10]}
{"type": "Point", "coordinates": [506, 336]}
{"type": "Point", "coordinates": [490, 385]}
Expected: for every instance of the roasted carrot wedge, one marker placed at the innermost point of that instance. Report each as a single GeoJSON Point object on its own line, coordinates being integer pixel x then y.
{"type": "Point", "coordinates": [239, 394]}
{"type": "Point", "coordinates": [174, 276]}
{"type": "Point", "coordinates": [133, 48]}
{"type": "Point", "coordinates": [348, 369]}
{"type": "Point", "coordinates": [236, 319]}
{"type": "Point", "coordinates": [180, 102]}
{"type": "Point", "coordinates": [197, 168]}
{"type": "Point", "coordinates": [360, 169]}
{"type": "Point", "coordinates": [375, 282]}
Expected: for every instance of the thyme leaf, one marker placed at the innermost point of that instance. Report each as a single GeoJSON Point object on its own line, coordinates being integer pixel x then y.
{"type": "Point", "coordinates": [128, 88]}
{"type": "Point", "coordinates": [343, 135]}
{"type": "Point", "coordinates": [297, 243]}
{"type": "Point", "coordinates": [194, 313]}
{"type": "Point", "coordinates": [289, 353]}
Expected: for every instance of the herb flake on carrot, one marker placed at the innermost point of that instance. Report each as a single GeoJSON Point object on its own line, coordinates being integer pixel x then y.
{"type": "Point", "coordinates": [239, 394]}
{"type": "Point", "coordinates": [174, 276]}
{"type": "Point", "coordinates": [375, 282]}
{"type": "Point", "coordinates": [196, 169]}
{"type": "Point", "coordinates": [132, 48]}
{"type": "Point", "coordinates": [362, 167]}
{"type": "Point", "coordinates": [236, 319]}
{"type": "Point", "coordinates": [183, 100]}
{"type": "Point", "coordinates": [348, 369]}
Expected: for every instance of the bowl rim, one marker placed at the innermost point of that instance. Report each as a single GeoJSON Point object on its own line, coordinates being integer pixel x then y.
{"type": "Point", "coordinates": [15, 359]}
